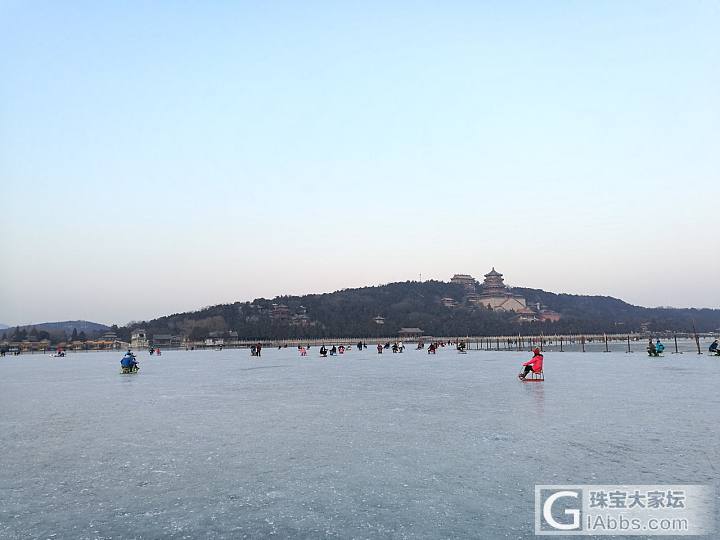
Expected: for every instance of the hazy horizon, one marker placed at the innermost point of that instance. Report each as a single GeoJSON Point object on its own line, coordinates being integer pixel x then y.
{"type": "Point", "coordinates": [158, 158]}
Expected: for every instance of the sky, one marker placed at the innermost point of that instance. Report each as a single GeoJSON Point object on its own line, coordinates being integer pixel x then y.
{"type": "Point", "coordinates": [158, 157]}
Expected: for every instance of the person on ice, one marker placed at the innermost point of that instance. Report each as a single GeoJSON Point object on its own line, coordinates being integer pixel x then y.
{"type": "Point", "coordinates": [129, 362]}
{"type": "Point", "coordinates": [323, 351]}
{"type": "Point", "coordinates": [714, 348]}
{"type": "Point", "coordinates": [652, 351]}
{"type": "Point", "coordinates": [659, 347]}
{"type": "Point", "coordinates": [535, 364]}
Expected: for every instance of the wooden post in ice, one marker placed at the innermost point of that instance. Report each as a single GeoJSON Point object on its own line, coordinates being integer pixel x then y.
{"type": "Point", "coordinates": [697, 339]}
{"type": "Point", "coordinates": [561, 347]}
{"type": "Point", "coordinates": [582, 340]}
{"type": "Point", "coordinates": [628, 340]}
{"type": "Point", "coordinates": [676, 346]}
{"type": "Point", "coordinates": [606, 344]}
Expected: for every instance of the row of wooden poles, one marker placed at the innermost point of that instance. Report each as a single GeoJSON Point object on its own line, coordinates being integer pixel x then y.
{"type": "Point", "coordinates": [497, 343]}
{"type": "Point", "coordinates": [520, 343]}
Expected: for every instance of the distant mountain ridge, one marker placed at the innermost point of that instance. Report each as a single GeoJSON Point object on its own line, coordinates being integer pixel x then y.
{"type": "Point", "coordinates": [3, 326]}
{"type": "Point", "coordinates": [65, 326]}
{"type": "Point", "coordinates": [437, 308]}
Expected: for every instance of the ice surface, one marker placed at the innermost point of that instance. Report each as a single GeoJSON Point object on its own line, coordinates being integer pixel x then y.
{"type": "Point", "coordinates": [216, 444]}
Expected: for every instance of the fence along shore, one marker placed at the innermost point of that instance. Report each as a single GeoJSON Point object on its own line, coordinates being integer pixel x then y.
{"type": "Point", "coordinates": [675, 343]}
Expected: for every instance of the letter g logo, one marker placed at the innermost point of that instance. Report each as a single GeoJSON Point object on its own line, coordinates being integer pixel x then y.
{"type": "Point", "coordinates": [547, 512]}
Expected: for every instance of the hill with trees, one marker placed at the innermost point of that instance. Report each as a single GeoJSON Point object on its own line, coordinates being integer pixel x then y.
{"type": "Point", "coordinates": [357, 312]}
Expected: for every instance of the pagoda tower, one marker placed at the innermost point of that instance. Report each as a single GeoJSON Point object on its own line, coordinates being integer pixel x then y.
{"type": "Point", "coordinates": [496, 296]}
{"type": "Point", "coordinates": [494, 284]}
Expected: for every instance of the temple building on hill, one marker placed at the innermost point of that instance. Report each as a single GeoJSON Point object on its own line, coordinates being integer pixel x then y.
{"type": "Point", "coordinates": [465, 280]}
{"type": "Point", "coordinates": [280, 312]}
{"type": "Point", "coordinates": [548, 315]}
{"type": "Point", "coordinates": [496, 296]}
{"type": "Point", "coordinates": [449, 302]}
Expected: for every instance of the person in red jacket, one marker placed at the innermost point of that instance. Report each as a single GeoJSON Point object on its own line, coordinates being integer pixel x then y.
{"type": "Point", "coordinates": [535, 364]}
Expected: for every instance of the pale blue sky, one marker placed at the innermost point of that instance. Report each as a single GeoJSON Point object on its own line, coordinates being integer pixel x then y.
{"type": "Point", "coordinates": [157, 157]}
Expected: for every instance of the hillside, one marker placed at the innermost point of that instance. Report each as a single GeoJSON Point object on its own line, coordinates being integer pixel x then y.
{"type": "Point", "coordinates": [64, 327]}
{"type": "Point", "coordinates": [351, 312]}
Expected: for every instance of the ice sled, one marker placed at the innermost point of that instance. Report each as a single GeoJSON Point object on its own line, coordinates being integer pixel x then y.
{"type": "Point", "coordinates": [534, 377]}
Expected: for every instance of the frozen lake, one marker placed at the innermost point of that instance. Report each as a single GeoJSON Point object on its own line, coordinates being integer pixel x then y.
{"type": "Point", "coordinates": [216, 444]}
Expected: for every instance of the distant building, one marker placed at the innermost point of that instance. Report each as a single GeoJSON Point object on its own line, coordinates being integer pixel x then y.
{"type": "Point", "coordinates": [139, 339]}
{"type": "Point", "coordinates": [379, 320]}
{"type": "Point", "coordinates": [465, 280]}
{"type": "Point", "coordinates": [448, 302]}
{"type": "Point", "coordinates": [280, 312]}
{"type": "Point", "coordinates": [526, 317]}
{"type": "Point", "coordinates": [301, 320]}
{"type": "Point", "coordinates": [108, 340]}
{"type": "Point", "coordinates": [220, 338]}
{"type": "Point", "coordinates": [410, 333]}
{"type": "Point", "coordinates": [165, 340]}
{"type": "Point", "coordinates": [496, 296]}
{"type": "Point", "coordinates": [548, 315]}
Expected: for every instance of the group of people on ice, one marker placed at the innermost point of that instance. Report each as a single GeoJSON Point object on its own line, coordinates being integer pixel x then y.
{"type": "Point", "coordinates": [396, 347]}
{"type": "Point", "coordinates": [655, 349]}
{"type": "Point", "coordinates": [333, 350]}
{"type": "Point", "coordinates": [130, 364]}
{"type": "Point", "coordinates": [340, 349]}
